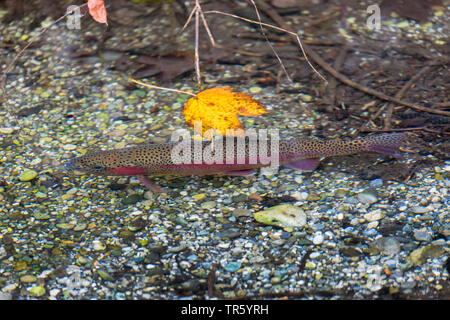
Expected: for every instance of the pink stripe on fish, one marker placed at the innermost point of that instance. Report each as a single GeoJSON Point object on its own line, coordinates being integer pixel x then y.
{"type": "Point", "coordinates": [128, 171]}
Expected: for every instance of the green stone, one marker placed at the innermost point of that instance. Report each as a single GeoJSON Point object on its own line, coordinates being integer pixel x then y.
{"type": "Point", "coordinates": [41, 216]}
{"type": "Point", "coordinates": [37, 291]}
{"type": "Point", "coordinates": [132, 199]}
{"type": "Point", "coordinates": [80, 227]}
{"type": "Point", "coordinates": [126, 234]}
{"type": "Point", "coordinates": [419, 256]}
{"type": "Point", "coordinates": [139, 93]}
{"type": "Point", "coordinates": [20, 265]}
{"type": "Point", "coordinates": [28, 175]}
{"type": "Point", "coordinates": [208, 205]}
{"type": "Point", "coordinates": [105, 275]}
{"type": "Point", "coordinates": [66, 226]}
{"type": "Point", "coordinates": [28, 278]}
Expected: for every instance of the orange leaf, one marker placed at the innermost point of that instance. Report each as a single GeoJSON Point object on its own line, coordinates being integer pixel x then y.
{"type": "Point", "coordinates": [97, 10]}
{"type": "Point", "coordinates": [218, 108]}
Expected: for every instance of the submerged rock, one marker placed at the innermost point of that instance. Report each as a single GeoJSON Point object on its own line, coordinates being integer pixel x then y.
{"type": "Point", "coordinates": [28, 175]}
{"type": "Point", "coordinates": [286, 216]}
{"type": "Point", "coordinates": [419, 256]}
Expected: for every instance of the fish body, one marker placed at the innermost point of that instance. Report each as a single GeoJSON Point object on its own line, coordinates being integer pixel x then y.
{"type": "Point", "coordinates": [241, 157]}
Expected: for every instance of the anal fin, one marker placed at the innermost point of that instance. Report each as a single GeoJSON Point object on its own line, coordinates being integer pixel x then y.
{"type": "Point", "coordinates": [149, 184]}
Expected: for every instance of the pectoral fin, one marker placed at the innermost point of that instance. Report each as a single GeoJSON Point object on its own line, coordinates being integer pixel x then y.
{"type": "Point", "coordinates": [149, 184]}
{"type": "Point", "coordinates": [303, 164]}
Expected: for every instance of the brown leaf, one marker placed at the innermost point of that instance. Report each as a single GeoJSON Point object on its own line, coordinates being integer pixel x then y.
{"type": "Point", "coordinates": [97, 10]}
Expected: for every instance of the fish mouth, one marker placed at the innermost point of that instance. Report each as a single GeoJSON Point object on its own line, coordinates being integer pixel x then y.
{"type": "Point", "coordinates": [68, 166]}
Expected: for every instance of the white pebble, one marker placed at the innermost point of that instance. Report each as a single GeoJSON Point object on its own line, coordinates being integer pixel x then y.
{"type": "Point", "coordinates": [318, 238]}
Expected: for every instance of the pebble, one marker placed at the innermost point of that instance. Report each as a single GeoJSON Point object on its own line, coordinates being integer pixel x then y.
{"type": "Point", "coordinates": [388, 245]}
{"type": "Point", "coordinates": [372, 225]}
{"type": "Point", "coordinates": [199, 196]}
{"type": "Point", "coordinates": [6, 130]}
{"type": "Point", "coordinates": [255, 196]}
{"type": "Point", "coordinates": [318, 238]}
{"type": "Point", "coordinates": [368, 196]}
{"type": "Point", "coordinates": [298, 179]}
{"type": "Point", "coordinates": [376, 183]}
{"type": "Point", "coordinates": [422, 235]}
{"type": "Point", "coordinates": [28, 278]}
{"type": "Point", "coordinates": [69, 147]}
{"type": "Point", "coordinates": [54, 292]}
{"type": "Point", "coordinates": [374, 215]}
{"type": "Point", "coordinates": [419, 209]}
{"type": "Point", "coordinates": [80, 227]}
{"type": "Point", "coordinates": [300, 196]}
{"type": "Point", "coordinates": [254, 89]}
{"type": "Point", "coordinates": [66, 226]}
{"type": "Point", "coordinates": [37, 291]}
{"type": "Point", "coordinates": [275, 280]}
{"type": "Point", "coordinates": [341, 193]}
{"type": "Point", "coordinates": [233, 266]}
{"type": "Point", "coordinates": [98, 245]}
{"type": "Point", "coordinates": [208, 205]}
{"type": "Point", "coordinates": [242, 213]}
{"type": "Point", "coordinates": [420, 255]}
{"type": "Point", "coordinates": [132, 199]}
{"type": "Point", "coordinates": [28, 175]}
{"type": "Point", "coordinates": [105, 275]}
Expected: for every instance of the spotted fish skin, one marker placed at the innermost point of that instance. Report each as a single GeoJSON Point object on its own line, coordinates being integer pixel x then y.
{"type": "Point", "coordinates": [157, 159]}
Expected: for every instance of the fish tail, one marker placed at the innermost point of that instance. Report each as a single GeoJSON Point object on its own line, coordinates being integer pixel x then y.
{"type": "Point", "coordinates": [388, 144]}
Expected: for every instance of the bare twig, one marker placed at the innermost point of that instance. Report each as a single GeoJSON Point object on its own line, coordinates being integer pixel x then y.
{"type": "Point", "coordinates": [212, 280]}
{"type": "Point", "coordinates": [275, 28]}
{"type": "Point", "coordinates": [337, 65]}
{"type": "Point", "coordinates": [400, 94]}
{"type": "Point", "coordinates": [197, 55]}
{"type": "Point", "coordinates": [160, 88]}
{"type": "Point", "coordinates": [317, 59]}
{"type": "Point", "coordinates": [408, 129]}
{"type": "Point", "coordinates": [197, 10]}
{"type": "Point", "coordinates": [268, 41]}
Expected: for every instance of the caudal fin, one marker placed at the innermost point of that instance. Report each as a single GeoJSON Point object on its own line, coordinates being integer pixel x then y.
{"type": "Point", "coordinates": [388, 144]}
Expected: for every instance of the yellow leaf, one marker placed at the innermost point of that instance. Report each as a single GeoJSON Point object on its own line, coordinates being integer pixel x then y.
{"type": "Point", "coordinates": [218, 108]}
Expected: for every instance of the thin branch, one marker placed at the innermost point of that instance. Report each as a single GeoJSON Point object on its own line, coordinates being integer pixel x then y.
{"type": "Point", "coordinates": [268, 41]}
{"type": "Point", "coordinates": [408, 129]}
{"type": "Point", "coordinates": [401, 93]}
{"type": "Point", "coordinates": [197, 55]}
{"type": "Point", "coordinates": [275, 28]}
{"type": "Point", "coordinates": [317, 59]}
{"type": "Point", "coordinates": [160, 88]}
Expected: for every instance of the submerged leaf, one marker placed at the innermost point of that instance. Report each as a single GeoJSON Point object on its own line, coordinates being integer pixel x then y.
{"type": "Point", "coordinates": [218, 108]}
{"type": "Point", "coordinates": [97, 10]}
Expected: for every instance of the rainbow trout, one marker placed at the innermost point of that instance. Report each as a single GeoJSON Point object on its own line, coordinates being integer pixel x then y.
{"type": "Point", "coordinates": [240, 157]}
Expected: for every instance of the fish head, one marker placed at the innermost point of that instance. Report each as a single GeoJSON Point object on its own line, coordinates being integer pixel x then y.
{"type": "Point", "coordinates": [99, 163]}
